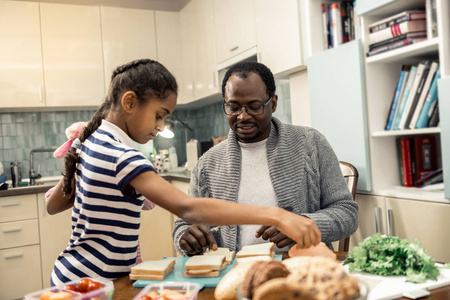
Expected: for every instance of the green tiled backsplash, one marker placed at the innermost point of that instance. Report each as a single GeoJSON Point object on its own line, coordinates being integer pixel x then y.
{"type": "Point", "coordinates": [23, 131]}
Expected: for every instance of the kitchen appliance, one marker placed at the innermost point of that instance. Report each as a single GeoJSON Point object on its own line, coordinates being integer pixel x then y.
{"type": "Point", "coordinates": [191, 154]}
{"type": "Point", "coordinates": [16, 173]}
{"type": "Point", "coordinates": [173, 158]}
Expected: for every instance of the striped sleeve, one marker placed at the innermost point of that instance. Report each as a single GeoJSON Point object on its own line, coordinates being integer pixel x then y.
{"type": "Point", "coordinates": [131, 164]}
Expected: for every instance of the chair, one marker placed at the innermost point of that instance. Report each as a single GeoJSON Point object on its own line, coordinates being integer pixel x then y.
{"type": "Point", "coordinates": [351, 175]}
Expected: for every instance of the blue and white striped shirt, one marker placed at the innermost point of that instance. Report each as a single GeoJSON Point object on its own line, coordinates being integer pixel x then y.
{"type": "Point", "coordinates": [105, 220]}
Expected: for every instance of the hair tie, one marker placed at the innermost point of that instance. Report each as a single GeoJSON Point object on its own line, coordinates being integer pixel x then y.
{"type": "Point", "coordinates": [76, 143]}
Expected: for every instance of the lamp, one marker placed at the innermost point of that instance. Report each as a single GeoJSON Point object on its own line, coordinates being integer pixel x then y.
{"type": "Point", "coordinates": [169, 126]}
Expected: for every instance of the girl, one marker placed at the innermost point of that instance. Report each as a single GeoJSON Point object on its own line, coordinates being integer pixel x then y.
{"type": "Point", "coordinates": [107, 180]}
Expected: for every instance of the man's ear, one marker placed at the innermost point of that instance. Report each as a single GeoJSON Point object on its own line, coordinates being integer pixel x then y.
{"type": "Point", "coordinates": [274, 102]}
{"type": "Point", "coordinates": [129, 101]}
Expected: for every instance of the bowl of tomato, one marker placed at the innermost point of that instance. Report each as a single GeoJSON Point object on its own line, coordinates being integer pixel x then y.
{"type": "Point", "coordinates": [82, 289]}
{"type": "Point", "coordinates": [169, 291]}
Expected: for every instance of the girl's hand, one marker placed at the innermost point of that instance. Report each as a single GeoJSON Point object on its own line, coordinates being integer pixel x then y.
{"type": "Point", "coordinates": [301, 229]}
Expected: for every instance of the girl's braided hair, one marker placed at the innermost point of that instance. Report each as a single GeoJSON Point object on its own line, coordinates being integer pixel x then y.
{"type": "Point", "coordinates": [146, 78]}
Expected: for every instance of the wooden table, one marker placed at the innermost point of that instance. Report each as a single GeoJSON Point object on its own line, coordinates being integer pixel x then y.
{"type": "Point", "coordinates": [124, 290]}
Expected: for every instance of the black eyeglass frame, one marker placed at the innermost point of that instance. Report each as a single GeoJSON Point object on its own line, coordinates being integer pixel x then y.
{"type": "Point", "coordinates": [245, 107]}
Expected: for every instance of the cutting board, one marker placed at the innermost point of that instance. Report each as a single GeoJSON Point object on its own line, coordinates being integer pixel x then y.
{"type": "Point", "coordinates": [392, 287]}
{"type": "Point", "coordinates": [177, 274]}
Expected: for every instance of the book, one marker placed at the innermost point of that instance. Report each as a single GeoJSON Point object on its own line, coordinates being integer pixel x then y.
{"type": "Point", "coordinates": [429, 103]}
{"type": "Point", "coordinates": [404, 161]}
{"type": "Point", "coordinates": [394, 45]}
{"type": "Point", "coordinates": [330, 27]}
{"type": "Point", "coordinates": [434, 119]}
{"type": "Point", "coordinates": [417, 95]}
{"type": "Point", "coordinates": [395, 99]}
{"type": "Point", "coordinates": [404, 97]}
{"type": "Point", "coordinates": [423, 94]}
{"type": "Point", "coordinates": [431, 17]}
{"type": "Point", "coordinates": [423, 156]}
{"type": "Point", "coordinates": [402, 37]}
{"type": "Point", "coordinates": [336, 24]}
{"type": "Point", "coordinates": [431, 178]}
{"type": "Point", "coordinates": [345, 22]}
{"type": "Point", "coordinates": [398, 29]}
{"type": "Point", "coordinates": [412, 93]}
{"type": "Point", "coordinates": [326, 32]}
{"type": "Point", "coordinates": [396, 19]}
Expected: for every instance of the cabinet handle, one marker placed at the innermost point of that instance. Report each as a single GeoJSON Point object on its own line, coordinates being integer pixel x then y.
{"type": "Point", "coordinates": [390, 222]}
{"type": "Point", "coordinates": [14, 229]}
{"type": "Point", "coordinates": [40, 93]}
{"type": "Point", "coordinates": [377, 212]}
{"type": "Point", "coordinates": [234, 48]}
{"type": "Point", "coordinates": [10, 204]}
{"type": "Point", "coordinates": [13, 255]}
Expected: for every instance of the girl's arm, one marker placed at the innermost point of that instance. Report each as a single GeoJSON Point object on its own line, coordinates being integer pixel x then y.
{"type": "Point", "coordinates": [56, 202]}
{"type": "Point", "coordinates": [209, 211]}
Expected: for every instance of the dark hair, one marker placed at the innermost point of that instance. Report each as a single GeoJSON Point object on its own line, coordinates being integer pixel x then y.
{"type": "Point", "coordinates": [146, 78]}
{"type": "Point", "coordinates": [244, 69]}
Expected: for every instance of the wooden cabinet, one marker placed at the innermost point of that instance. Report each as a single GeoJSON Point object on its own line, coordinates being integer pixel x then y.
{"type": "Point", "coordinates": [72, 52]}
{"type": "Point", "coordinates": [234, 27]}
{"type": "Point", "coordinates": [19, 247]}
{"type": "Point", "coordinates": [278, 29]}
{"type": "Point", "coordinates": [127, 34]}
{"type": "Point", "coordinates": [407, 219]}
{"type": "Point", "coordinates": [21, 70]}
{"type": "Point", "coordinates": [198, 52]}
{"type": "Point", "coordinates": [54, 232]}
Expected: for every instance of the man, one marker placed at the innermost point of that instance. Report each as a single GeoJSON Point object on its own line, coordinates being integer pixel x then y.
{"type": "Point", "coordinates": [266, 162]}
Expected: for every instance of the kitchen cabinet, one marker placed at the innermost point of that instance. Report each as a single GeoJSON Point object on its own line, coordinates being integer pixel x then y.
{"type": "Point", "coordinates": [278, 31]}
{"type": "Point", "coordinates": [21, 69]}
{"type": "Point", "coordinates": [124, 43]}
{"type": "Point", "coordinates": [54, 232]}
{"type": "Point", "coordinates": [168, 41]}
{"type": "Point", "coordinates": [19, 247]}
{"type": "Point", "coordinates": [198, 52]}
{"type": "Point", "coordinates": [234, 27]}
{"type": "Point", "coordinates": [407, 219]}
{"type": "Point", "coordinates": [72, 54]}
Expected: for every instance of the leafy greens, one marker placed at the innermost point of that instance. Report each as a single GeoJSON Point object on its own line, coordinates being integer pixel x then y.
{"type": "Point", "coordinates": [389, 255]}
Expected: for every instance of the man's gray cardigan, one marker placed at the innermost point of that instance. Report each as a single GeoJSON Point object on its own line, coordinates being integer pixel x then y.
{"type": "Point", "coordinates": [305, 174]}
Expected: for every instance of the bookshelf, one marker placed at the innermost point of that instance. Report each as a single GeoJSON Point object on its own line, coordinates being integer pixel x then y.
{"type": "Point", "coordinates": [372, 95]}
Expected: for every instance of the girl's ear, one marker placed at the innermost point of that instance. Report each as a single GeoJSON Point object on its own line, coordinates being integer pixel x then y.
{"type": "Point", "coordinates": [129, 101]}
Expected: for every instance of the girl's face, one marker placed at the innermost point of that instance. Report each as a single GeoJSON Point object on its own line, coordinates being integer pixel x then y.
{"type": "Point", "coordinates": [147, 119]}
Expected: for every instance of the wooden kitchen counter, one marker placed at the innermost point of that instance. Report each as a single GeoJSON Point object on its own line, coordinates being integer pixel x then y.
{"type": "Point", "coordinates": [124, 290]}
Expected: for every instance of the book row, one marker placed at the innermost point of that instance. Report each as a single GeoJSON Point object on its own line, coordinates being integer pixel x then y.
{"type": "Point", "coordinates": [338, 23]}
{"type": "Point", "coordinates": [418, 161]}
{"type": "Point", "coordinates": [414, 103]}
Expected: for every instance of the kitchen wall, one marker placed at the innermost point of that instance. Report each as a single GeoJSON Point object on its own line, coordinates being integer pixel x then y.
{"type": "Point", "coordinates": [23, 131]}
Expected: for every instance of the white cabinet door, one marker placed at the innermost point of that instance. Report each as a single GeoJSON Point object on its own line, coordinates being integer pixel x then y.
{"type": "Point", "coordinates": [72, 51]}
{"type": "Point", "coordinates": [168, 41]}
{"type": "Point", "coordinates": [278, 35]}
{"type": "Point", "coordinates": [55, 231]}
{"type": "Point", "coordinates": [234, 27]}
{"type": "Point", "coordinates": [425, 221]}
{"type": "Point", "coordinates": [127, 34]}
{"type": "Point", "coordinates": [198, 51]}
{"type": "Point", "coordinates": [21, 71]}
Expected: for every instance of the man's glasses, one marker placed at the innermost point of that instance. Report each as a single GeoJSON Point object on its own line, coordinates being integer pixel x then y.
{"type": "Point", "coordinates": [251, 109]}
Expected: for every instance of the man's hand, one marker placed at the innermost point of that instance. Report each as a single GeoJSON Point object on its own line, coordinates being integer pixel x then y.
{"type": "Point", "coordinates": [196, 238]}
{"type": "Point", "coordinates": [272, 234]}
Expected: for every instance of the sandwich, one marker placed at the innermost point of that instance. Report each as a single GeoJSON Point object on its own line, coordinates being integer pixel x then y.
{"type": "Point", "coordinates": [265, 249]}
{"type": "Point", "coordinates": [152, 269]}
{"type": "Point", "coordinates": [204, 266]}
{"type": "Point", "coordinates": [242, 260]}
{"type": "Point", "coordinates": [229, 255]}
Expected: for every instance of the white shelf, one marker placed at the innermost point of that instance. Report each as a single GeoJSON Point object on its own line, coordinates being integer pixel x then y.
{"type": "Point", "coordinates": [422, 49]}
{"type": "Point", "coordinates": [406, 132]}
{"type": "Point", "coordinates": [411, 193]}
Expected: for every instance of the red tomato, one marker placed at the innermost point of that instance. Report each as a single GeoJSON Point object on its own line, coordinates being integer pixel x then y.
{"type": "Point", "coordinates": [71, 287]}
{"type": "Point", "coordinates": [94, 285]}
{"type": "Point", "coordinates": [145, 297]}
{"type": "Point", "coordinates": [83, 285]}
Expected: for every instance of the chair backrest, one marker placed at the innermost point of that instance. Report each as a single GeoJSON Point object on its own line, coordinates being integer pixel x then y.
{"type": "Point", "coordinates": [351, 175]}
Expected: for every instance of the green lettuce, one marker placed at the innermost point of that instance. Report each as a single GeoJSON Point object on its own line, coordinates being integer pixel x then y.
{"type": "Point", "coordinates": [388, 255]}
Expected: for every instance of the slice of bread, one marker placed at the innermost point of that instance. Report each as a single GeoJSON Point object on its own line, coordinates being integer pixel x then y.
{"type": "Point", "coordinates": [256, 250]}
{"type": "Point", "coordinates": [206, 262]}
{"type": "Point", "coordinates": [229, 255]}
{"type": "Point", "coordinates": [240, 260]}
{"type": "Point", "coordinates": [200, 273]}
{"type": "Point", "coordinates": [152, 269]}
